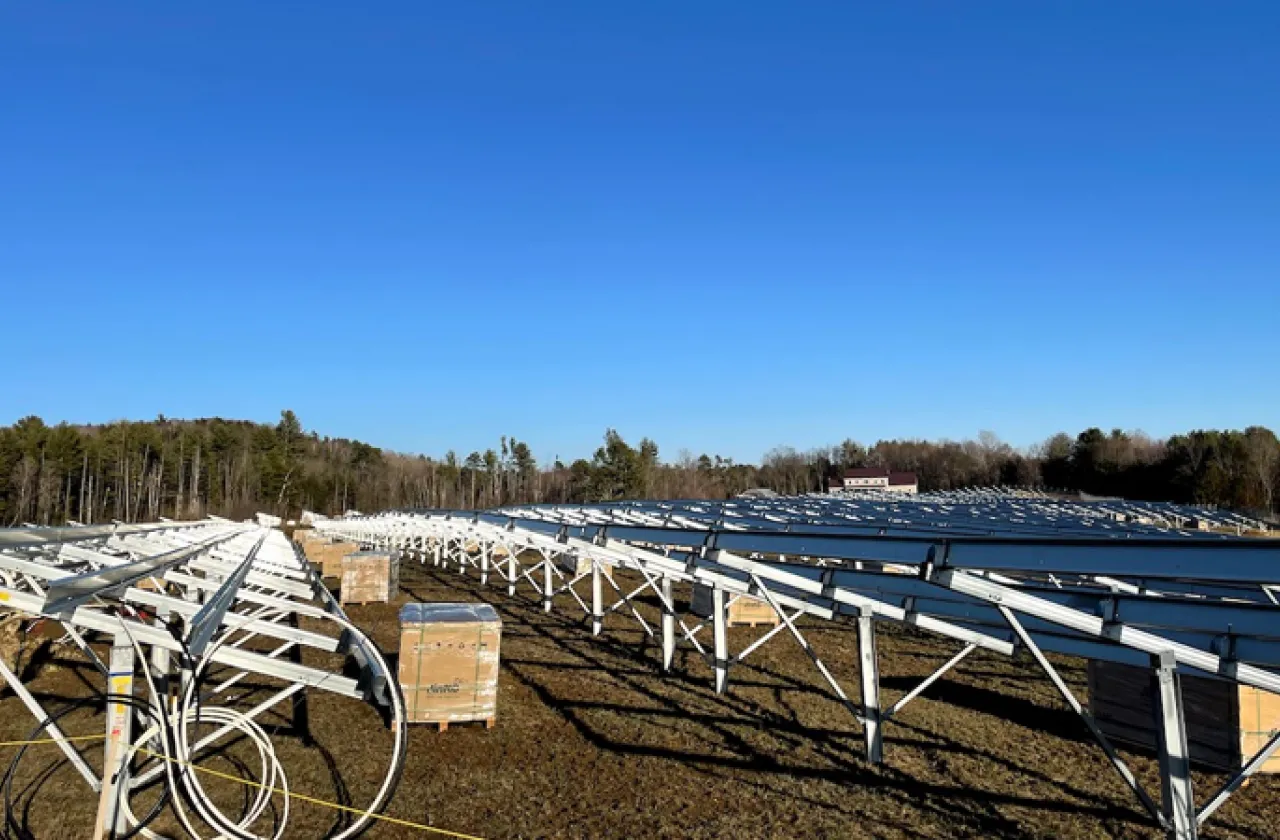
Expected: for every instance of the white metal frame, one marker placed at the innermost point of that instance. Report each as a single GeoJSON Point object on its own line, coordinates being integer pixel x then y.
{"type": "Point", "coordinates": [1141, 592]}
{"type": "Point", "coordinates": [218, 590]}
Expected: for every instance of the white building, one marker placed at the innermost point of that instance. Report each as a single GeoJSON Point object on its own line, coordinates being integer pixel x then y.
{"type": "Point", "coordinates": [876, 478]}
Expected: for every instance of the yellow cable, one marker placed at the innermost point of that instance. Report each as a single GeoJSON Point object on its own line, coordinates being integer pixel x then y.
{"type": "Point", "coordinates": [51, 740]}
{"type": "Point", "coordinates": [251, 783]}
{"type": "Point", "coordinates": [310, 799]}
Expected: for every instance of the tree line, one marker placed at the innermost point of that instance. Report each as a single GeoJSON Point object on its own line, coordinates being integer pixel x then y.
{"type": "Point", "coordinates": [182, 469]}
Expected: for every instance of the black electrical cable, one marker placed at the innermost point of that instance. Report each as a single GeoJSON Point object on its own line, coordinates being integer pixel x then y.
{"type": "Point", "coordinates": [14, 828]}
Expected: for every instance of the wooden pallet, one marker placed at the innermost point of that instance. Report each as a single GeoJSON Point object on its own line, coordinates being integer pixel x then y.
{"type": "Point", "coordinates": [443, 725]}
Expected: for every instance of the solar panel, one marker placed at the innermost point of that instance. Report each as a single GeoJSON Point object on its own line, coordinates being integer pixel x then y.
{"type": "Point", "coordinates": [1172, 588]}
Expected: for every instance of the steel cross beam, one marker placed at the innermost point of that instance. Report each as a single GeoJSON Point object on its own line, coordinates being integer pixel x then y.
{"type": "Point", "coordinates": [46, 537]}
{"type": "Point", "coordinates": [67, 593]}
{"type": "Point", "coordinates": [103, 623]}
{"type": "Point", "coordinates": [209, 619]}
{"type": "Point", "coordinates": [1099, 628]}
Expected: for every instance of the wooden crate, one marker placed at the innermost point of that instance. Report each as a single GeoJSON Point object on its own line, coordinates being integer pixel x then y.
{"type": "Point", "coordinates": [744, 610]}
{"type": "Point", "coordinates": [1259, 713]}
{"type": "Point", "coordinates": [369, 577]}
{"type": "Point", "coordinates": [1226, 723]}
{"type": "Point", "coordinates": [328, 555]}
{"type": "Point", "coordinates": [309, 542]}
{"type": "Point", "coordinates": [332, 556]}
{"type": "Point", "coordinates": [449, 658]}
{"type": "Point", "coordinates": [495, 551]}
{"type": "Point", "coordinates": [305, 537]}
{"type": "Point", "coordinates": [582, 566]}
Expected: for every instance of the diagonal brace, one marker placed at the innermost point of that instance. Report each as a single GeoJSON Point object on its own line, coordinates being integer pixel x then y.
{"type": "Point", "coordinates": [1060, 684]}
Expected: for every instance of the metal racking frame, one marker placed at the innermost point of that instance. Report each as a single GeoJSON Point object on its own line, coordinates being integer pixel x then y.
{"type": "Point", "coordinates": [189, 609]}
{"type": "Point", "coordinates": [993, 571]}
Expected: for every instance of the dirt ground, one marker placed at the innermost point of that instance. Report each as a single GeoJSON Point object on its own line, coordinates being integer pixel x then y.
{"type": "Point", "coordinates": [592, 741]}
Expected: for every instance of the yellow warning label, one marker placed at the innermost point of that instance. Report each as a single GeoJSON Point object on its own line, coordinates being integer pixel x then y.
{"type": "Point", "coordinates": [121, 685]}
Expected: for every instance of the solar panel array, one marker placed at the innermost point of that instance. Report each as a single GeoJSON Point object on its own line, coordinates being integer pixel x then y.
{"type": "Point", "coordinates": [1129, 582]}
{"type": "Point", "coordinates": [980, 512]}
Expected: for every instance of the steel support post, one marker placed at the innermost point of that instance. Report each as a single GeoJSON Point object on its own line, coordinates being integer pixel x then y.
{"type": "Point", "coordinates": [548, 584]}
{"type": "Point", "coordinates": [484, 565]}
{"type": "Point", "coordinates": [301, 712]}
{"type": "Point", "coordinates": [719, 630]}
{"type": "Point", "coordinates": [597, 599]}
{"type": "Point", "coordinates": [869, 667]}
{"type": "Point", "coordinates": [435, 552]}
{"type": "Point", "coordinates": [115, 783]}
{"type": "Point", "coordinates": [668, 624]}
{"type": "Point", "coordinates": [191, 594]}
{"type": "Point", "coordinates": [513, 575]}
{"type": "Point", "coordinates": [160, 659]}
{"type": "Point", "coordinates": [1175, 762]}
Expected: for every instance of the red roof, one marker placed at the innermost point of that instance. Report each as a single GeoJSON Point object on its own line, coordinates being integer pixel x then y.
{"type": "Point", "coordinates": [902, 478]}
{"type": "Point", "coordinates": [866, 472]}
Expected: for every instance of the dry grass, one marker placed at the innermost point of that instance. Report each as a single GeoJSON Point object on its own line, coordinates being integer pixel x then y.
{"type": "Point", "coordinates": [592, 741]}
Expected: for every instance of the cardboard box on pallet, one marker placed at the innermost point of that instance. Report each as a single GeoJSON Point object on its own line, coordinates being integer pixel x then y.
{"type": "Point", "coordinates": [496, 551]}
{"type": "Point", "coordinates": [743, 610]}
{"type": "Point", "coordinates": [307, 539]}
{"type": "Point", "coordinates": [328, 555]}
{"type": "Point", "coordinates": [369, 576]}
{"type": "Point", "coordinates": [310, 543]}
{"type": "Point", "coordinates": [579, 566]}
{"type": "Point", "coordinates": [449, 656]}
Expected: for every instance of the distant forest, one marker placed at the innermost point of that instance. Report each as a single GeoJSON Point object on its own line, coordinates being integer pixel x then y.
{"type": "Point", "coordinates": [138, 471]}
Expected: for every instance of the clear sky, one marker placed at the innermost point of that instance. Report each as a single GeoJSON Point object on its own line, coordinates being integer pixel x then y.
{"type": "Point", "coordinates": [724, 225]}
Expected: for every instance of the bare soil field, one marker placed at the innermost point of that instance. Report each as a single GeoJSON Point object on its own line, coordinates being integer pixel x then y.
{"type": "Point", "coordinates": [593, 741]}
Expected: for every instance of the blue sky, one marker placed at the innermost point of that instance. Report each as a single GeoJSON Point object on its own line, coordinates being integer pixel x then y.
{"type": "Point", "coordinates": [723, 225]}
